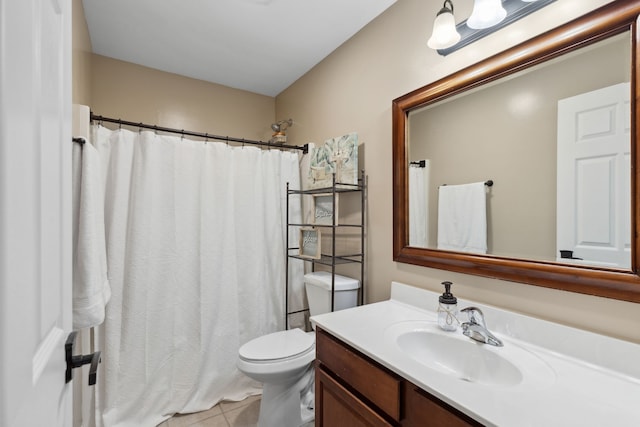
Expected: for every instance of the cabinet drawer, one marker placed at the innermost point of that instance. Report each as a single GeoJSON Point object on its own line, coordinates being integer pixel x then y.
{"type": "Point", "coordinates": [374, 383]}
{"type": "Point", "coordinates": [338, 407]}
{"type": "Point", "coordinates": [425, 410]}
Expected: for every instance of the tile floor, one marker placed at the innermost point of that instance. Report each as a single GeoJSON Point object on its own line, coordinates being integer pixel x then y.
{"type": "Point", "coordinates": [225, 414]}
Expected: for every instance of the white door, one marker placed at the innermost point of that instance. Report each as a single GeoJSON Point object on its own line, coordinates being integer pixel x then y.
{"type": "Point", "coordinates": [594, 214]}
{"type": "Point", "coordinates": [35, 211]}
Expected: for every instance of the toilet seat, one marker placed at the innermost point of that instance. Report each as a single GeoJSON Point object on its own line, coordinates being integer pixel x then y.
{"type": "Point", "coordinates": [278, 346]}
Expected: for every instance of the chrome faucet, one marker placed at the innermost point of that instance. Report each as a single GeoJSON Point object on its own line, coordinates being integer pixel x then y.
{"type": "Point", "coordinates": [476, 328]}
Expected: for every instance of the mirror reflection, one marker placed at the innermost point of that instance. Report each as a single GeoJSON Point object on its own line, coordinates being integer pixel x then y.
{"type": "Point", "coordinates": [554, 140]}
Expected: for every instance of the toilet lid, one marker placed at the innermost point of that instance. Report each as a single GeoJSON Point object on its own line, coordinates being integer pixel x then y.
{"type": "Point", "coordinates": [278, 345]}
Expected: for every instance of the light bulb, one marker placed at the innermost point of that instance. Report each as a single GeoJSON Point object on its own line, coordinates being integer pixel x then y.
{"type": "Point", "coordinates": [486, 13]}
{"type": "Point", "coordinates": [444, 33]}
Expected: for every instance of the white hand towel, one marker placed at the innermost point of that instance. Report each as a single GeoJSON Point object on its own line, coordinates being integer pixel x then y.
{"type": "Point", "coordinates": [91, 290]}
{"type": "Point", "coordinates": [462, 218]}
{"type": "Point", "coordinates": [418, 206]}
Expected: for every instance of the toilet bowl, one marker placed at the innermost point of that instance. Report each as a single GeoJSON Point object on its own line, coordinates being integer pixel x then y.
{"type": "Point", "coordinates": [282, 361]}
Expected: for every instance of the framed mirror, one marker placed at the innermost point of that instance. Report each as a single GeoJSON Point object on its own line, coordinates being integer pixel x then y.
{"type": "Point", "coordinates": [555, 216]}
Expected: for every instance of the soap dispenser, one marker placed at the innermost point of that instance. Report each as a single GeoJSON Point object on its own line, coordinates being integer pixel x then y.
{"type": "Point", "coordinates": [447, 309]}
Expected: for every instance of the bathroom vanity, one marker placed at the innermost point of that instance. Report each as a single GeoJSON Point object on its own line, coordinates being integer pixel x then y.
{"type": "Point", "coordinates": [388, 364]}
{"type": "Point", "coordinates": [354, 390]}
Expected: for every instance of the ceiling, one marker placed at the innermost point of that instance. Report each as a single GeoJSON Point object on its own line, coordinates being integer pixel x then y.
{"type": "Point", "coordinates": [261, 46]}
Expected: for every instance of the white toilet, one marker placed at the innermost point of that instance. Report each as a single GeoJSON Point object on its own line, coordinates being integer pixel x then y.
{"type": "Point", "coordinates": [282, 361]}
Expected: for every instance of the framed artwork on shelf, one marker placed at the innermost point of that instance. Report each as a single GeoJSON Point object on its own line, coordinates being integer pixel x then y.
{"type": "Point", "coordinates": [323, 209]}
{"type": "Point", "coordinates": [310, 243]}
{"type": "Point", "coordinates": [337, 156]}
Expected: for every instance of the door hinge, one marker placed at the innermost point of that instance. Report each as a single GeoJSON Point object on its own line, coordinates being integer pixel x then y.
{"type": "Point", "coordinates": [77, 361]}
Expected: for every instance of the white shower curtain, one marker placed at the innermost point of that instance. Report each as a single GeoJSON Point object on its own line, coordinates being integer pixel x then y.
{"type": "Point", "coordinates": [418, 205]}
{"type": "Point", "coordinates": [195, 246]}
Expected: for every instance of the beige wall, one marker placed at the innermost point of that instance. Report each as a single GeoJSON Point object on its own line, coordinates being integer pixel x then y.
{"type": "Point", "coordinates": [140, 94]}
{"type": "Point", "coordinates": [81, 63]}
{"type": "Point", "coordinates": [352, 89]}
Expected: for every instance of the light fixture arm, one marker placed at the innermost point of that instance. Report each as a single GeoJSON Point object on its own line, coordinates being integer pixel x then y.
{"type": "Point", "coordinates": [445, 9]}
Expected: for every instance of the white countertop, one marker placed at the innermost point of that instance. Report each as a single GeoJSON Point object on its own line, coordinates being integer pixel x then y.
{"type": "Point", "coordinates": [595, 381]}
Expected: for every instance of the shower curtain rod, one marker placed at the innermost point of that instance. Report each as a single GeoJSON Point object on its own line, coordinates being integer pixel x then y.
{"type": "Point", "coordinates": [304, 148]}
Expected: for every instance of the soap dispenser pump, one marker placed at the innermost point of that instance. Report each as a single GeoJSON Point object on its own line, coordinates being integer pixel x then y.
{"type": "Point", "coordinates": [447, 309]}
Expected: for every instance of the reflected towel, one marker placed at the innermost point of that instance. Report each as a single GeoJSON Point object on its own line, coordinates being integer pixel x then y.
{"type": "Point", "coordinates": [418, 205]}
{"type": "Point", "coordinates": [462, 218]}
{"type": "Point", "coordinates": [91, 290]}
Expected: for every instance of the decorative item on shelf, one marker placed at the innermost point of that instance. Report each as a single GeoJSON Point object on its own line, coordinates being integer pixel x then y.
{"type": "Point", "coordinates": [324, 210]}
{"type": "Point", "coordinates": [337, 156]}
{"type": "Point", "coordinates": [280, 137]}
{"type": "Point", "coordinates": [487, 17]}
{"type": "Point", "coordinates": [310, 243]}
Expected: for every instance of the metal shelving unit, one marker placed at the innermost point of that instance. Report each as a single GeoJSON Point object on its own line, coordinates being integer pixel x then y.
{"type": "Point", "coordinates": [330, 257]}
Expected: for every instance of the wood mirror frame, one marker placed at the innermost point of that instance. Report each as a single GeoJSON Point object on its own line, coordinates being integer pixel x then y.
{"type": "Point", "coordinates": [609, 20]}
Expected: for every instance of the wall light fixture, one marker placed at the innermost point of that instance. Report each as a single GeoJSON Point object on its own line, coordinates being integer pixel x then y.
{"type": "Point", "coordinates": [487, 17]}
{"type": "Point", "coordinates": [280, 137]}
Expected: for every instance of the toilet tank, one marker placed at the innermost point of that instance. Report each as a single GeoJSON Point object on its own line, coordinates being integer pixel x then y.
{"type": "Point", "coordinates": [318, 286]}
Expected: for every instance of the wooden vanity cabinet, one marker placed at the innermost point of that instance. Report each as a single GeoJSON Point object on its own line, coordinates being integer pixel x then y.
{"type": "Point", "coordinates": [353, 390]}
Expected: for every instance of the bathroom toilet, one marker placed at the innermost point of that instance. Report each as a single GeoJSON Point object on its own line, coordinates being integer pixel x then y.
{"type": "Point", "coordinates": [282, 361]}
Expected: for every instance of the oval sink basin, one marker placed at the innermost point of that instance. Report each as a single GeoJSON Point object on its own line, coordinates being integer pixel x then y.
{"type": "Point", "coordinates": [455, 355]}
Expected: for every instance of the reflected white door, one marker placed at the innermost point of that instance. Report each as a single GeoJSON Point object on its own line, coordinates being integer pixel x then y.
{"type": "Point", "coordinates": [35, 211]}
{"type": "Point", "coordinates": [594, 177]}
